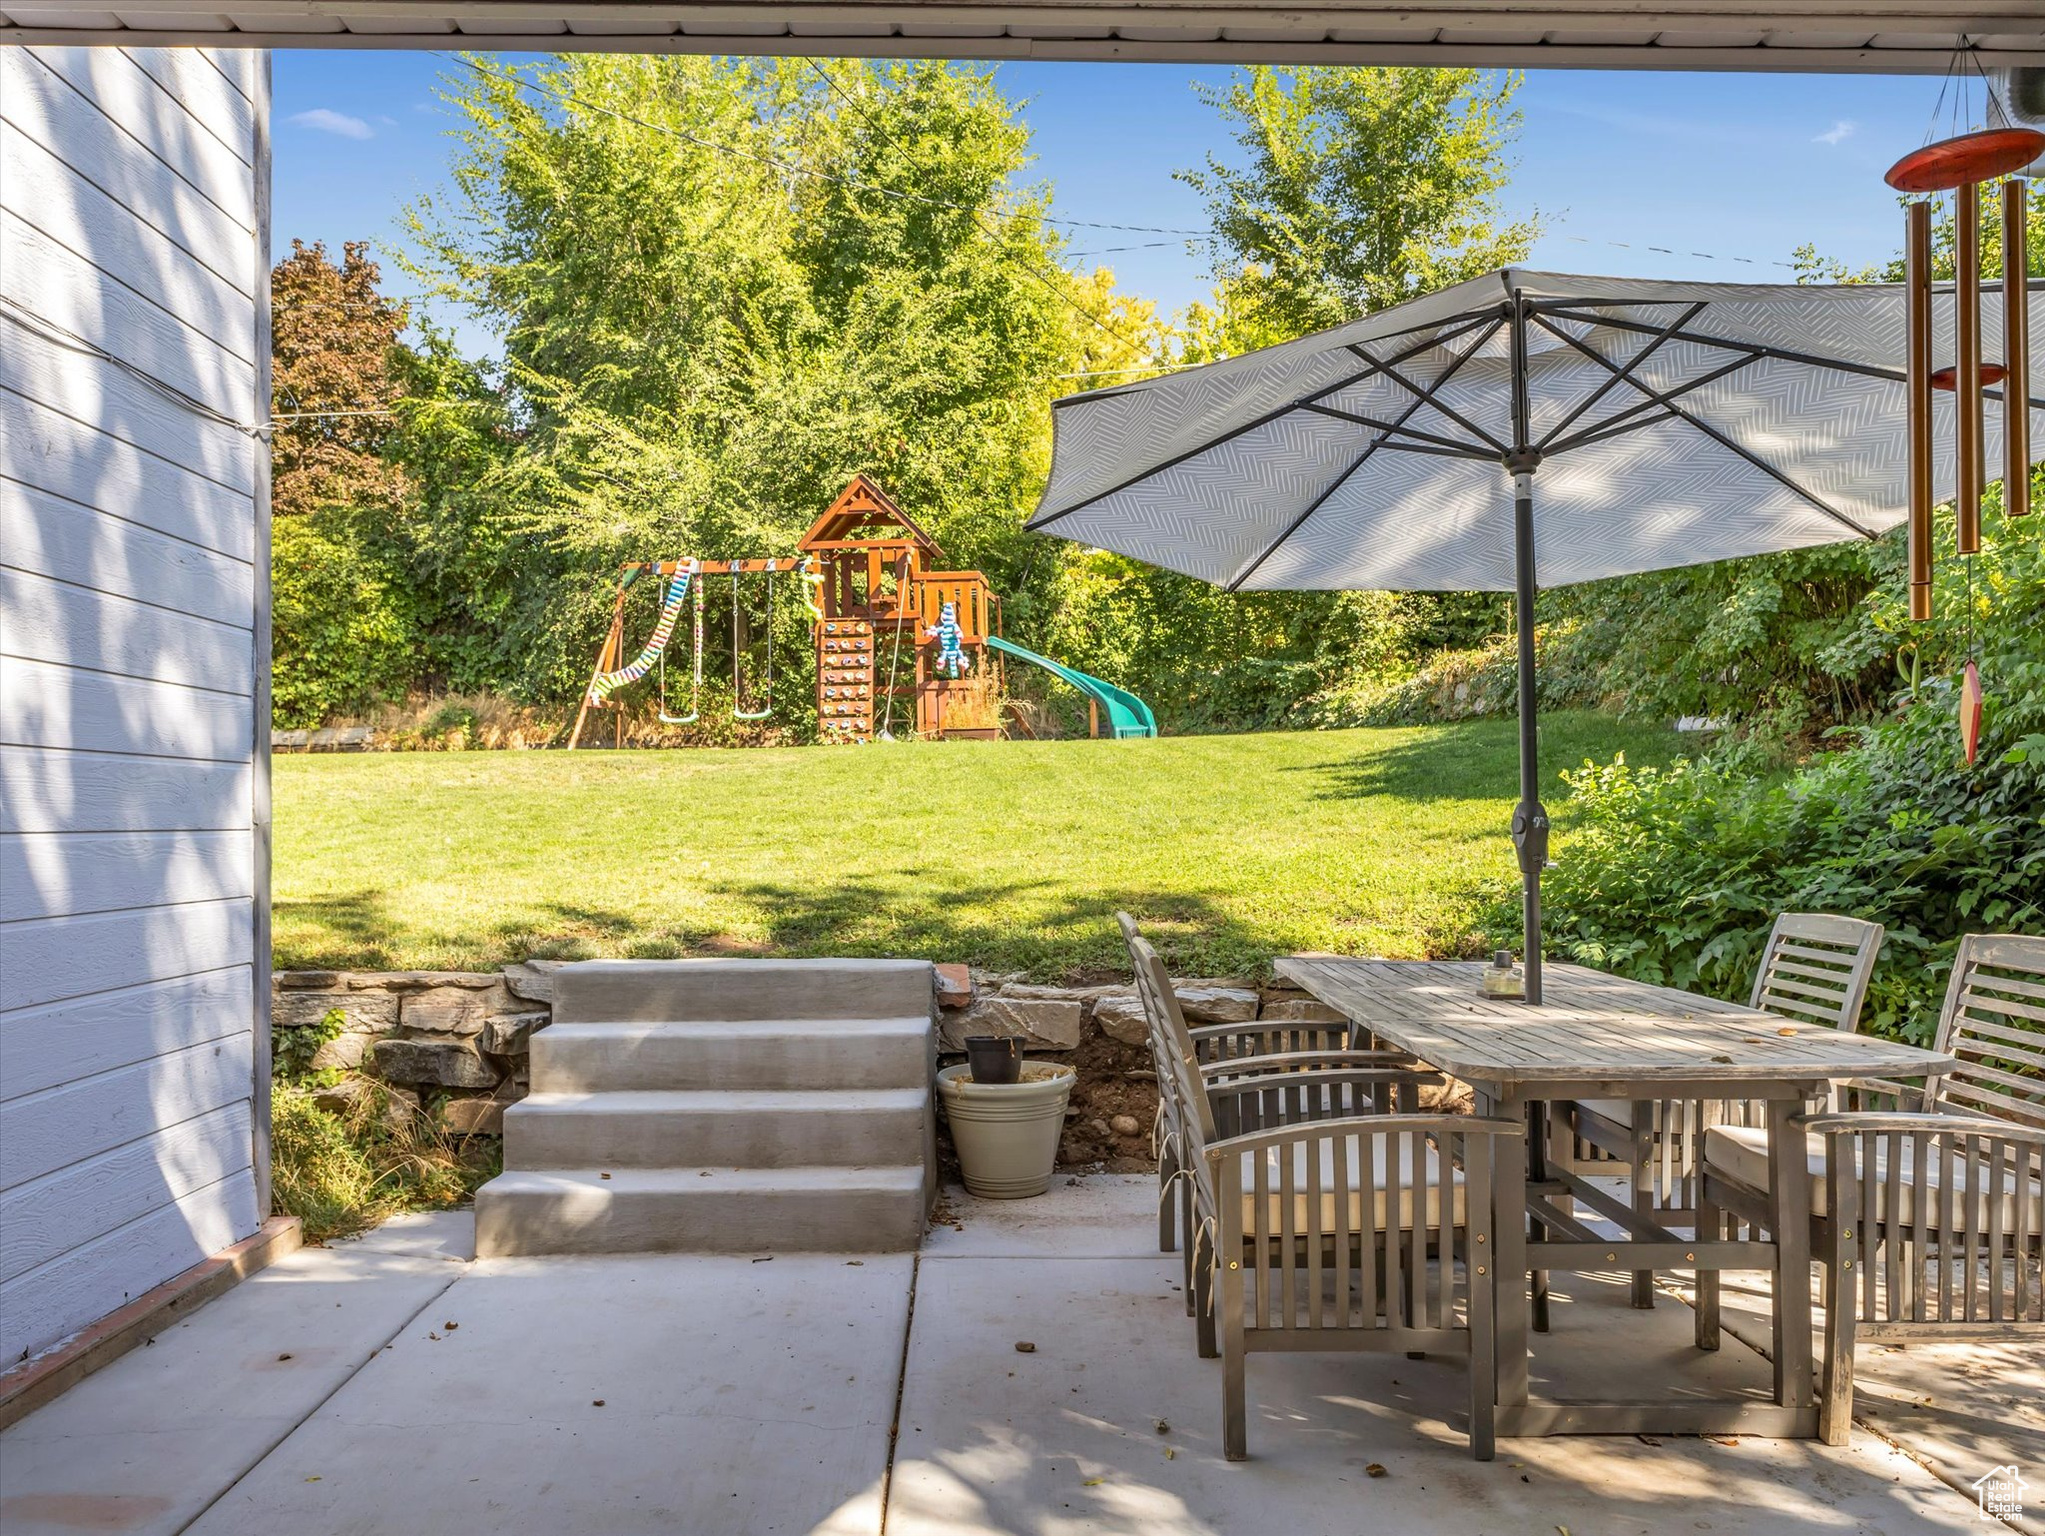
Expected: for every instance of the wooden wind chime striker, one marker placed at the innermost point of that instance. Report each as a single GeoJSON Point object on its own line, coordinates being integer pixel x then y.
{"type": "Point", "coordinates": [1961, 166]}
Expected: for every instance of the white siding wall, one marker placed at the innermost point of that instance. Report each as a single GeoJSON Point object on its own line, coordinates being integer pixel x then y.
{"type": "Point", "coordinates": [133, 673]}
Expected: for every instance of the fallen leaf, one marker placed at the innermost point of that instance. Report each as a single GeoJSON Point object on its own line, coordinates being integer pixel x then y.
{"type": "Point", "coordinates": [312, 1479]}
{"type": "Point", "coordinates": [1727, 1060]}
{"type": "Point", "coordinates": [855, 1263]}
{"type": "Point", "coordinates": [1171, 1453]}
{"type": "Point", "coordinates": [1163, 1427]}
{"type": "Point", "coordinates": [765, 1259]}
{"type": "Point", "coordinates": [1375, 1469]}
{"type": "Point", "coordinates": [1563, 1529]}
{"type": "Point", "coordinates": [283, 1357]}
{"type": "Point", "coordinates": [450, 1327]}
{"type": "Point", "coordinates": [596, 1402]}
{"type": "Point", "coordinates": [1025, 1347]}
{"type": "Point", "coordinates": [1785, 1030]}
{"type": "Point", "coordinates": [603, 1175]}
{"type": "Point", "coordinates": [1093, 1482]}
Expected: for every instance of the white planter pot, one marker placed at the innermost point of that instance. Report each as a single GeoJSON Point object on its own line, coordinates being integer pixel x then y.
{"type": "Point", "coordinates": [1007, 1133]}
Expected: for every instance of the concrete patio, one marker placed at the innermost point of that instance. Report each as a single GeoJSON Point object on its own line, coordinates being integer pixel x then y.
{"type": "Point", "coordinates": [394, 1384]}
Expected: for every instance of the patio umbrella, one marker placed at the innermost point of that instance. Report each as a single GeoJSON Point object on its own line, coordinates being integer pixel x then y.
{"type": "Point", "coordinates": [1666, 424]}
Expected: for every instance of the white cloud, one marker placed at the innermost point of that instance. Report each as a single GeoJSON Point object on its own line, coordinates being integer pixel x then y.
{"type": "Point", "coordinates": [1838, 133]}
{"type": "Point", "coordinates": [326, 120]}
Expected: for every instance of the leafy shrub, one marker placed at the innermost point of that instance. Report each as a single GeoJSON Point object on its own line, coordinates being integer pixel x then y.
{"type": "Point", "coordinates": [340, 632]}
{"type": "Point", "coordinates": [292, 1047]}
{"type": "Point", "coordinates": [1674, 875]}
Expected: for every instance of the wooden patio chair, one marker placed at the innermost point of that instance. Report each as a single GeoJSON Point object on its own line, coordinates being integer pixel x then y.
{"type": "Point", "coordinates": [1323, 1220]}
{"type": "Point", "coordinates": [1928, 1219]}
{"type": "Point", "coordinates": [1227, 1050]}
{"type": "Point", "coordinates": [1814, 969]}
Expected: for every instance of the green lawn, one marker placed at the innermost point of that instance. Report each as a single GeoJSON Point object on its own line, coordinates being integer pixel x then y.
{"type": "Point", "coordinates": [1012, 855]}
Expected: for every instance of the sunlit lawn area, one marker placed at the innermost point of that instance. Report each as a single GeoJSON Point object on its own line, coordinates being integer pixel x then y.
{"type": "Point", "coordinates": [1011, 855]}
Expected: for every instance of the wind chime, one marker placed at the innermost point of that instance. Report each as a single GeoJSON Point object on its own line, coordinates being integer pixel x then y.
{"type": "Point", "coordinates": [1962, 166]}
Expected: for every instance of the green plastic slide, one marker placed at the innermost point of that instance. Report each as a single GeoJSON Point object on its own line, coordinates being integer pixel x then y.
{"type": "Point", "coordinates": [1127, 714]}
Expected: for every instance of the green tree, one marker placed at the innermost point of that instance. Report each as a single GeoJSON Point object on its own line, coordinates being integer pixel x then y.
{"type": "Point", "coordinates": [723, 287]}
{"type": "Point", "coordinates": [341, 603]}
{"type": "Point", "coordinates": [1359, 188]}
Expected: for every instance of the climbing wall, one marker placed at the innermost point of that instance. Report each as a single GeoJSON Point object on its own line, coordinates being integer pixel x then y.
{"type": "Point", "coordinates": [845, 680]}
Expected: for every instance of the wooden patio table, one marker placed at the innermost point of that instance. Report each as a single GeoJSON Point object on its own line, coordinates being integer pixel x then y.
{"type": "Point", "coordinates": [1596, 1036]}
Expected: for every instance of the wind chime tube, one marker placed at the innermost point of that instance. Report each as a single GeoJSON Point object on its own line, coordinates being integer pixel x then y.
{"type": "Point", "coordinates": [1917, 390]}
{"type": "Point", "coordinates": [1971, 456]}
{"type": "Point", "coordinates": [2016, 351]}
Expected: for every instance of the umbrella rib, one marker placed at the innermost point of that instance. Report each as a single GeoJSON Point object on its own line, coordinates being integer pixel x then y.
{"type": "Point", "coordinates": [1596, 433]}
{"type": "Point", "coordinates": [1399, 427]}
{"type": "Point", "coordinates": [1428, 396]}
{"type": "Point", "coordinates": [1714, 434]}
{"type": "Point", "coordinates": [1731, 344]}
{"type": "Point", "coordinates": [1626, 373]}
{"type": "Point", "coordinates": [1380, 441]}
{"type": "Point", "coordinates": [1447, 334]}
{"type": "Point", "coordinates": [1609, 430]}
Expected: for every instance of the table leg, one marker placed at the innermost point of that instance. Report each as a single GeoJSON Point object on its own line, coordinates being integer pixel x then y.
{"type": "Point", "coordinates": [1789, 1199]}
{"type": "Point", "coordinates": [1537, 1171]}
{"type": "Point", "coordinates": [1509, 1232]}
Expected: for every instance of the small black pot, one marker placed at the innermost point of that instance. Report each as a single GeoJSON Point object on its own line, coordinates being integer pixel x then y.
{"type": "Point", "coordinates": [995, 1058]}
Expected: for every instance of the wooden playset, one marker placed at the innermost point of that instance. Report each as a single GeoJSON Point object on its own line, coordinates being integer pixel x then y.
{"type": "Point", "coordinates": [882, 597]}
{"type": "Point", "coordinates": [890, 626]}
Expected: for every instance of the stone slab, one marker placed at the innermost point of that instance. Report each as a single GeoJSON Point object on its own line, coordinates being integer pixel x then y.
{"type": "Point", "coordinates": [1045, 1024]}
{"type": "Point", "coordinates": [508, 1034]}
{"type": "Point", "coordinates": [147, 1443]}
{"type": "Point", "coordinates": [736, 1397]}
{"type": "Point", "coordinates": [1301, 1011]}
{"type": "Point", "coordinates": [1120, 1017]}
{"type": "Point", "coordinates": [1206, 1002]}
{"type": "Point", "coordinates": [371, 1012]}
{"type": "Point", "coordinates": [455, 1010]}
{"type": "Point", "coordinates": [439, 1063]}
{"type": "Point", "coordinates": [533, 980]}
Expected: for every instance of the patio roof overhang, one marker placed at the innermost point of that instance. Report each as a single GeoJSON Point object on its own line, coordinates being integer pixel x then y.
{"type": "Point", "coordinates": [1874, 36]}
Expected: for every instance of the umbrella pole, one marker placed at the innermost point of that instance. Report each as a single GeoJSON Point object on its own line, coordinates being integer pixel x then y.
{"type": "Point", "coordinates": [1530, 817]}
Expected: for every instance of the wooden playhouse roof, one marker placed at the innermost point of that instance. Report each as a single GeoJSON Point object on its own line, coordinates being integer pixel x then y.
{"type": "Point", "coordinates": [862, 511]}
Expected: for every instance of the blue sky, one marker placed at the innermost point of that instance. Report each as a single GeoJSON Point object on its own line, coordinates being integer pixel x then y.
{"type": "Point", "coordinates": [1709, 167]}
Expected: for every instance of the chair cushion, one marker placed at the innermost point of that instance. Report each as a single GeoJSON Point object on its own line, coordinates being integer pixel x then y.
{"type": "Point", "coordinates": [1741, 1152]}
{"type": "Point", "coordinates": [1378, 1216]}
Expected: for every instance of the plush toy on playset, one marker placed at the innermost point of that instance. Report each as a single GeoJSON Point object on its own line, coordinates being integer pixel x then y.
{"type": "Point", "coordinates": [952, 660]}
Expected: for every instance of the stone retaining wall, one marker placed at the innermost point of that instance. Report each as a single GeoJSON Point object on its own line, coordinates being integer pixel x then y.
{"type": "Point", "coordinates": [456, 1041]}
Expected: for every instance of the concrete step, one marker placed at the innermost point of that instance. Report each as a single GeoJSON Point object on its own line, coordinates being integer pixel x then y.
{"type": "Point", "coordinates": [735, 1053]}
{"type": "Point", "coordinates": [718, 1128]}
{"type": "Point", "coordinates": [676, 991]}
{"type": "Point", "coordinates": [701, 1210]}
